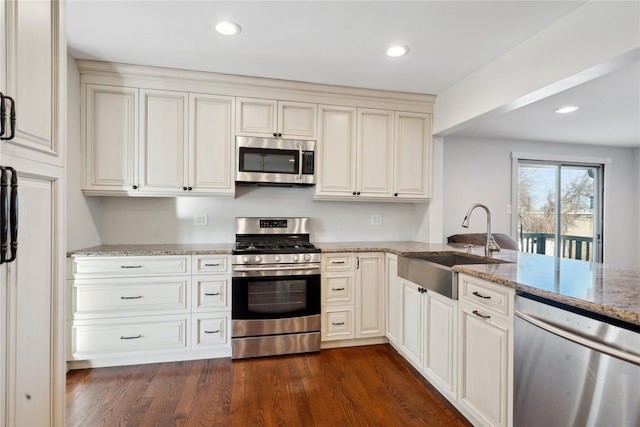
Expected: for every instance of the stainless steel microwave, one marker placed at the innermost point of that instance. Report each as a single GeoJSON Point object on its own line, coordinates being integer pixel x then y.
{"type": "Point", "coordinates": [272, 161]}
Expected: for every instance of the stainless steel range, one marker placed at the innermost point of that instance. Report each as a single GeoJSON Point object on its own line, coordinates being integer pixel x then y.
{"type": "Point", "coordinates": [275, 288]}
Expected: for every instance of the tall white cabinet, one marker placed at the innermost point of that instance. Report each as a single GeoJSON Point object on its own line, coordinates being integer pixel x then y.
{"type": "Point", "coordinates": [33, 72]}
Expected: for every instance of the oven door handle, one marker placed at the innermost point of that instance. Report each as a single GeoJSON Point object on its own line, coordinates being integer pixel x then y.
{"type": "Point", "coordinates": [265, 270]}
{"type": "Point", "coordinates": [300, 162]}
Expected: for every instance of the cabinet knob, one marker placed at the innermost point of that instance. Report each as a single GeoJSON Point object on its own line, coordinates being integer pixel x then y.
{"type": "Point", "coordinates": [279, 135]}
{"type": "Point", "coordinates": [190, 188]}
{"type": "Point", "coordinates": [184, 188]}
{"type": "Point", "coordinates": [395, 194]}
{"type": "Point", "coordinates": [354, 193]}
{"type": "Point", "coordinates": [358, 193]}
{"type": "Point", "coordinates": [135, 187]}
{"type": "Point", "coordinates": [275, 134]}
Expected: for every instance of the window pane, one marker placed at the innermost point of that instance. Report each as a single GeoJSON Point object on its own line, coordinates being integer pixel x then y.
{"type": "Point", "coordinates": [537, 208]}
{"type": "Point", "coordinates": [577, 220]}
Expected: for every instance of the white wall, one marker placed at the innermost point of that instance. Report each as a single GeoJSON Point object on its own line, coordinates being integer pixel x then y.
{"type": "Point", "coordinates": [83, 215]}
{"type": "Point", "coordinates": [477, 170]}
{"type": "Point", "coordinates": [170, 220]}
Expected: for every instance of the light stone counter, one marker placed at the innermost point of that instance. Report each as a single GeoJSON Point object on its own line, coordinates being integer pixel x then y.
{"type": "Point", "coordinates": [158, 249]}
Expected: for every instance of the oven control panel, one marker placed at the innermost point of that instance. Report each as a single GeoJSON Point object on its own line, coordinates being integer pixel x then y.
{"type": "Point", "coordinates": [273, 223]}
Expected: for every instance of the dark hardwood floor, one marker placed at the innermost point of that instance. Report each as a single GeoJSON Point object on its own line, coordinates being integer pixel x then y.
{"type": "Point", "coordinates": [356, 386]}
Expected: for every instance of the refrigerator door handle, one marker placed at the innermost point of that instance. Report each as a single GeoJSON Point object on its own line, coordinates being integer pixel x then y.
{"type": "Point", "coordinates": [12, 119]}
{"type": "Point", "coordinates": [3, 114]}
{"type": "Point", "coordinates": [4, 214]}
{"type": "Point", "coordinates": [13, 214]}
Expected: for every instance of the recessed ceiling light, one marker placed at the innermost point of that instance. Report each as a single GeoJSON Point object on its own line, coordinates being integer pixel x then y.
{"type": "Point", "coordinates": [567, 109]}
{"type": "Point", "coordinates": [227, 28]}
{"type": "Point", "coordinates": [396, 51]}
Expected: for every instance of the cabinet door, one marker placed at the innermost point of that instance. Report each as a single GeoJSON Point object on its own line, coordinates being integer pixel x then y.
{"type": "Point", "coordinates": [337, 323]}
{"type": "Point", "coordinates": [163, 138]}
{"type": "Point", "coordinates": [32, 297]}
{"type": "Point", "coordinates": [392, 311]}
{"type": "Point", "coordinates": [375, 153]}
{"type": "Point", "coordinates": [336, 151]}
{"type": "Point", "coordinates": [110, 135]}
{"type": "Point", "coordinates": [35, 55]}
{"type": "Point", "coordinates": [297, 120]}
{"type": "Point", "coordinates": [338, 287]}
{"type": "Point", "coordinates": [370, 301]}
{"type": "Point", "coordinates": [211, 145]}
{"type": "Point", "coordinates": [484, 364]}
{"type": "Point", "coordinates": [440, 344]}
{"type": "Point", "coordinates": [256, 117]}
{"type": "Point", "coordinates": [411, 330]}
{"type": "Point", "coordinates": [412, 154]}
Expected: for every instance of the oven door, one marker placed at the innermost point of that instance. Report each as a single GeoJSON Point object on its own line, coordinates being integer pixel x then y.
{"type": "Point", "coordinates": [275, 292]}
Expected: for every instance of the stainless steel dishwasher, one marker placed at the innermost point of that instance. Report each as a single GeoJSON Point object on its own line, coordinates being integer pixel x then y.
{"type": "Point", "coordinates": [572, 370]}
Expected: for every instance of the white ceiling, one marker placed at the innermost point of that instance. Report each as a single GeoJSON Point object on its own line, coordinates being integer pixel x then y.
{"type": "Point", "coordinates": [333, 42]}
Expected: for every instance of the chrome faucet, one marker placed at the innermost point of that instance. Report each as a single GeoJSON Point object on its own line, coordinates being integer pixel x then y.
{"type": "Point", "coordinates": [491, 245]}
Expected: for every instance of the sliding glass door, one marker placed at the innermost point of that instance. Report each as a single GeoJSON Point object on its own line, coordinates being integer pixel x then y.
{"type": "Point", "coordinates": [560, 209]}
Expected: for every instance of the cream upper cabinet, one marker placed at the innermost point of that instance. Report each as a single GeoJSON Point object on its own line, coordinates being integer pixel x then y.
{"type": "Point", "coordinates": [412, 153]}
{"type": "Point", "coordinates": [35, 78]}
{"type": "Point", "coordinates": [279, 119]}
{"type": "Point", "coordinates": [374, 153]}
{"type": "Point", "coordinates": [163, 141]}
{"type": "Point", "coordinates": [111, 130]}
{"type": "Point", "coordinates": [211, 148]}
{"type": "Point", "coordinates": [336, 151]}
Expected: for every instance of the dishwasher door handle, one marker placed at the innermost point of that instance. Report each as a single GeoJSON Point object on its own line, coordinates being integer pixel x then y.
{"type": "Point", "coordinates": [600, 347]}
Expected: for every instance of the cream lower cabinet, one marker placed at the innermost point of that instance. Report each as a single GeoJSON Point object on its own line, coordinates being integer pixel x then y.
{"type": "Point", "coordinates": [127, 310]}
{"type": "Point", "coordinates": [427, 334]}
{"type": "Point", "coordinates": [353, 296]}
{"type": "Point", "coordinates": [392, 294]}
{"type": "Point", "coordinates": [486, 351]}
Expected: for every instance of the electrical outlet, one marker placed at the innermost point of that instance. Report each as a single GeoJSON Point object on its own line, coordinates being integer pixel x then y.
{"type": "Point", "coordinates": [508, 209]}
{"type": "Point", "coordinates": [376, 219]}
{"type": "Point", "coordinates": [200, 219]}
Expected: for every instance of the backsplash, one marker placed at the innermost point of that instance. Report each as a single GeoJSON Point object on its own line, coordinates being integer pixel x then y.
{"type": "Point", "coordinates": [129, 220]}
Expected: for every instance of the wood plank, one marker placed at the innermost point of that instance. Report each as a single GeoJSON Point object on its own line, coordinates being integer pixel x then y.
{"type": "Point", "coordinates": [356, 386]}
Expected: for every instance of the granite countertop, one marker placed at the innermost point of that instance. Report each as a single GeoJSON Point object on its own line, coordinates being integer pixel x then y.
{"type": "Point", "coordinates": [607, 290]}
{"type": "Point", "coordinates": [610, 291]}
{"type": "Point", "coordinates": [157, 249]}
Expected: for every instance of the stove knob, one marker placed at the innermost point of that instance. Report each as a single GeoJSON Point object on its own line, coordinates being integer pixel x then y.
{"type": "Point", "coordinates": [307, 257]}
{"type": "Point", "coordinates": [245, 259]}
{"type": "Point", "coordinates": [276, 258]}
{"type": "Point", "coordinates": [295, 258]}
{"type": "Point", "coordinates": [258, 258]}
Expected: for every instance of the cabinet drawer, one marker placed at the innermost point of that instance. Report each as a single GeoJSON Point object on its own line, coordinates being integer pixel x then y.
{"type": "Point", "coordinates": [338, 324]}
{"type": "Point", "coordinates": [210, 330]}
{"type": "Point", "coordinates": [134, 296]}
{"type": "Point", "coordinates": [210, 264]}
{"type": "Point", "coordinates": [129, 266]}
{"type": "Point", "coordinates": [211, 292]}
{"type": "Point", "coordinates": [490, 296]}
{"type": "Point", "coordinates": [338, 287]}
{"type": "Point", "coordinates": [339, 261]}
{"type": "Point", "coordinates": [100, 337]}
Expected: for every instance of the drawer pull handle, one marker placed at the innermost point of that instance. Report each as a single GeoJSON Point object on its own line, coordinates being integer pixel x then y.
{"type": "Point", "coordinates": [212, 332]}
{"type": "Point", "coordinates": [479, 295]}
{"type": "Point", "coordinates": [136, 297]}
{"type": "Point", "coordinates": [212, 294]}
{"type": "Point", "coordinates": [337, 323]}
{"type": "Point", "coordinates": [338, 262]}
{"type": "Point", "coordinates": [217, 264]}
{"type": "Point", "coordinates": [337, 289]}
{"type": "Point", "coordinates": [480, 315]}
{"type": "Point", "coordinates": [133, 337]}
{"type": "Point", "coordinates": [130, 266]}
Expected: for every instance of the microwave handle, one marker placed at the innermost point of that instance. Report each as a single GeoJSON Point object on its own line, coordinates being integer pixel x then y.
{"type": "Point", "coordinates": [299, 161]}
